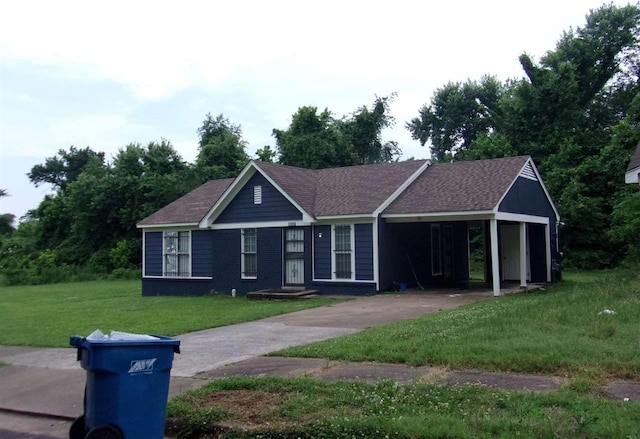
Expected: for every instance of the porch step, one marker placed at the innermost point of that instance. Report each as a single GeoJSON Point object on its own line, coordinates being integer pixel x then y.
{"type": "Point", "coordinates": [282, 294]}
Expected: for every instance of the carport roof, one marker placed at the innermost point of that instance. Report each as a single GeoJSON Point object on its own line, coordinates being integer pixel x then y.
{"type": "Point", "coordinates": [459, 186]}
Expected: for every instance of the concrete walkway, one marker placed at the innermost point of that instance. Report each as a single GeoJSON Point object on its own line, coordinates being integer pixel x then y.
{"type": "Point", "coordinates": [49, 383]}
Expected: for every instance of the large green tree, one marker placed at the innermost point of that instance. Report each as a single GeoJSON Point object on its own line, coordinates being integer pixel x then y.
{"type": "Point", "coordinates": [221, 151]}
{"type": "Point", "coordinates": [574, 111]}
{"type": "Point", "coordinates": [65, 167]}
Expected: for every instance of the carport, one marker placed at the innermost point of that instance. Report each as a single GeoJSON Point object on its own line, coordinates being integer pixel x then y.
{"type": "Point", "coordinates": [424, 234]}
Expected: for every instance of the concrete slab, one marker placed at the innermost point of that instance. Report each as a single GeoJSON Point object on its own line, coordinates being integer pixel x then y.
{"type": "Point", "coordinates": [370, 372]}
{"type": "Point", "coordinates": [622, 390]}
{"type": "Point", "coordinates": [36, 390]}
{"type": "Point", "coordinates": [509, 381]}
{"type": "Point", "coordinates": [376, 310]}
{"type": "Point", "coordinates": [270, 366]}
{"type": "Point", "coordinates": [51, 358]}
{"type": "Point", "coordinates": [16, 426]}
{"type": "Point", "coordinates": [213, 348]}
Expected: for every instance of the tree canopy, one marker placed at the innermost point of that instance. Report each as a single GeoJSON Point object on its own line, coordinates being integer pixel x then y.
{"type": "Point", "coordinates": [575, 112]}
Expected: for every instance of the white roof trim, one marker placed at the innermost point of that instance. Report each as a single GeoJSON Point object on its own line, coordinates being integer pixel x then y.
{"type": "Point", "coordinates": [258, 225]}
{"type": "Point", "coordinates": [544, 188]}
{"type": "Point", "coordinates": [167, 226]}
{"type": "Point", "coordinates": [632, 175]}
{"type": "Point", "coordinates": [401, 188]}
{"type": "Point", "coordinates": [364, 217]}
{"type": "Point", "coordinates": [235, 187]}
{"type": "Point", "coordinates": [439, 216]}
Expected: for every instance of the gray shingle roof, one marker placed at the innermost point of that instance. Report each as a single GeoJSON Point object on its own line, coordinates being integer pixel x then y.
{"type": "Point", "coordinates": [459, 186]}
{"type": "Point", "coordinates": [360, 190]}
{"type": "Point", "coordinates": [190, 208]}
{"type": "Point", "coordinates": [635, 159]}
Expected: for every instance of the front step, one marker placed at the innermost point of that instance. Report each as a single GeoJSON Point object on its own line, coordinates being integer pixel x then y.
{"type": "Point", "coordinates": [281, 294]}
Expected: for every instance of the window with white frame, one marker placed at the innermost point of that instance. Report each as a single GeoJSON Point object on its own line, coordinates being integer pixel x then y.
{"type": "Point", "coordinates": [343, 254]}
{"type": "Point", "coordinates": [436, 250]}
{"type": "Point", "coordinates": [177, 253]}
{"type": "Point", "coordinates": [249, 254]}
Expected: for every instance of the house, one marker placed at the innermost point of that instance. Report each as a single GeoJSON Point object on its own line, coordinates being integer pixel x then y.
{"type": "Point", "coordinates": [633, 169]}
{"type": "Point", "coordinates": [353, 230]}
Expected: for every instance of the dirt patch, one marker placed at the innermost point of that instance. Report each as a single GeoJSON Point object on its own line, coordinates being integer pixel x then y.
{"type": "Point", "coordinates": [249, 408]}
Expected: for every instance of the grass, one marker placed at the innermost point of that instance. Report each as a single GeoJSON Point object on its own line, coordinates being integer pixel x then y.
{"type": "Point", "coordinates": [558, 331]}
{"type": "Point", "coordinates": [308, 408]}
{"type": "Point", "coordinates": [46, 315]}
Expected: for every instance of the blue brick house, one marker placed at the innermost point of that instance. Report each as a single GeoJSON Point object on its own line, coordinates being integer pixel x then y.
{"type": "Point", "coordinates": [352, 230]}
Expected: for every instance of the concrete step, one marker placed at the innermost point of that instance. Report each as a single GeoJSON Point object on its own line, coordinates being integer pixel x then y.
{"type": "Point", "coordinates": [281, 294]}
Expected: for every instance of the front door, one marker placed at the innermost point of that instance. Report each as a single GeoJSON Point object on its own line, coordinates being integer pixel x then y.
{"type": "Point", "coordinates": [294, 257]}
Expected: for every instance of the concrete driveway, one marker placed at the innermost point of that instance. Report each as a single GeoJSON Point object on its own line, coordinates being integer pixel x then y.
{"type": "Point", "coordinates": [50, 383]}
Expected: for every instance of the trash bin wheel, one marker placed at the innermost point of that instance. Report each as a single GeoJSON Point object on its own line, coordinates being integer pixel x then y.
{"type": "Point", "coordinates": [78, 428]}
{"type": "Point", "coordinates": [104, 432]}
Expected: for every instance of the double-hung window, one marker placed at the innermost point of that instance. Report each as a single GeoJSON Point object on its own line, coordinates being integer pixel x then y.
{"type": "Point", "coordinates": [177, 254]}
{"type": "Point", "coordinates": [249, 254]}
{"type": "Point", "coordinates": [343, 251]}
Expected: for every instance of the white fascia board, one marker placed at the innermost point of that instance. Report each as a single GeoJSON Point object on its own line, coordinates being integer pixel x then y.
{"type": "Point", "coordinates": [544, 188]}
{"type": "Point", "coordinates": [401, 188]}
{"type": "Point", "coordinates": [176, 226]}
{"type": "Point", "coordinates": [228, 195]}
{"type": "Point", "coordinates": [306, 217]}
{"type": "Point", "coordinates": [520, 218]}
{"type": "Point", "coordinates": [438, 216]}
{"type": "Point", "coordinates": [333, 219]}
{"type": "Point", "coordinates": [259, 225]}
{"type": "Point", "coordinates": [632, 176]}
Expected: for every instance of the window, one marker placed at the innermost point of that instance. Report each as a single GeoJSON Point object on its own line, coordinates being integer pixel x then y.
{"type": "Point", "coordinates": [177, 254]}
{"type": "Point", "coordinates": [257, 195]}
{"type": "Point", "coordinates": [249, 254]}
{"type": "Point", "coordinates": [436, 250]}
{"type": "Point", "coordinates": [343, 251]}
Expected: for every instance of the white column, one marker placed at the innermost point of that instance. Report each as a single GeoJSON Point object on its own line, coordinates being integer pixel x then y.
{"type": "Point", "coordinates": [523, 255]}
{"type": "Point", "coordinates": [547, 240]}
{"type": "Point", "coordinates": [495, 258]}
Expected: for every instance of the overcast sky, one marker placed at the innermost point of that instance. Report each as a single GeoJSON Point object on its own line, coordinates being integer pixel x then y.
{"type": "Point", "coordinates": [105, 74]}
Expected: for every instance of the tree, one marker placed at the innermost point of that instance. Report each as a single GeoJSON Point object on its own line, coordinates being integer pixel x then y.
{"type": "Point", "coordinates": [266, 154]}
{"type": "Point", "coordinates": [65, 167]}
{"type": "Point", "coordinates": [6, 219]}
{"type": "Point", "coordinates": [313, 141]}
{"type": "Point", "coordinates": [458, 113]}
{"type": "Point", "coordinates": [221, 148]}
{"type": "Point", "coordinates": [364, 131]}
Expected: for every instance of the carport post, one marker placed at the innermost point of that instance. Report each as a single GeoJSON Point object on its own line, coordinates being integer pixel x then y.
{"type": "Point", "coordinates": [495, 259]}
{"type": "Point", "coordinates": [523, 255]}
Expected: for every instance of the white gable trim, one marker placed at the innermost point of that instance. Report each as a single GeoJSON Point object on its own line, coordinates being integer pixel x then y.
{"type": "Point", "coordinates": [439, 216]}
{"type": "Point", "coordinates": [401, 188]}
{"type": "Point", "coordinates": [528, 163]}
{"type": "Point", "coordinates": [169, 226]}
{"type": "Point", "coordinates": [241, 180]}
{"type": "Point", "coordinates": [632, 176]}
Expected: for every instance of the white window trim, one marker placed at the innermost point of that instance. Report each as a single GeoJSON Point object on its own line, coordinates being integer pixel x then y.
{"type": "Point", "coordinates": [333, 253]}
{"type": "Point", "coordinates": [242, 253]}
{"type": "Point", "coordinates": [433, 271]}
{"type": "Point", "coordinates": [164, 259]}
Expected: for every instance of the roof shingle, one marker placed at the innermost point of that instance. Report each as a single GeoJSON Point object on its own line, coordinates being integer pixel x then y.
{"type": "Point", "coordinates": [190, 208]}
{"type": "Point", "coordinates": [459, 186]}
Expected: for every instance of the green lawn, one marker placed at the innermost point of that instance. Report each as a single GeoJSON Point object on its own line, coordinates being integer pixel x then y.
{"type": "Point", "coordinates": [307, 408]}
{"type": "Point", "coordinates": [558, 330]}
{"type": "Point", "coordinates": [45, 315]}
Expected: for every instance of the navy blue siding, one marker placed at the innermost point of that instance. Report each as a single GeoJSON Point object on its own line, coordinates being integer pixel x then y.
{"type": "Point", "coordinates": [537, 252]}
{"type": "Point", "coordinates": [227, 266]}
{"type": "Point", "coordinates": [202, 253]}
{"type": "Point", "coordinates": [364, 251]}
{"type": "Point", "coordinates": [153, 253]}
{"type": "Point", "coordinates": [527, 197]}
{"type": "Point", "coordinates": [344, 288]}
{"type": "Point", "coordinates": [274, 207]}
{"type": "Point", "coordinates": [176, 287]}
{"type": "Point", "coordinates": [322, 252]}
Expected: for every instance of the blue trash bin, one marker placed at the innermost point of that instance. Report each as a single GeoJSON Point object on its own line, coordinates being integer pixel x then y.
{"type": "Point", "coordinates": [127, 387]}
